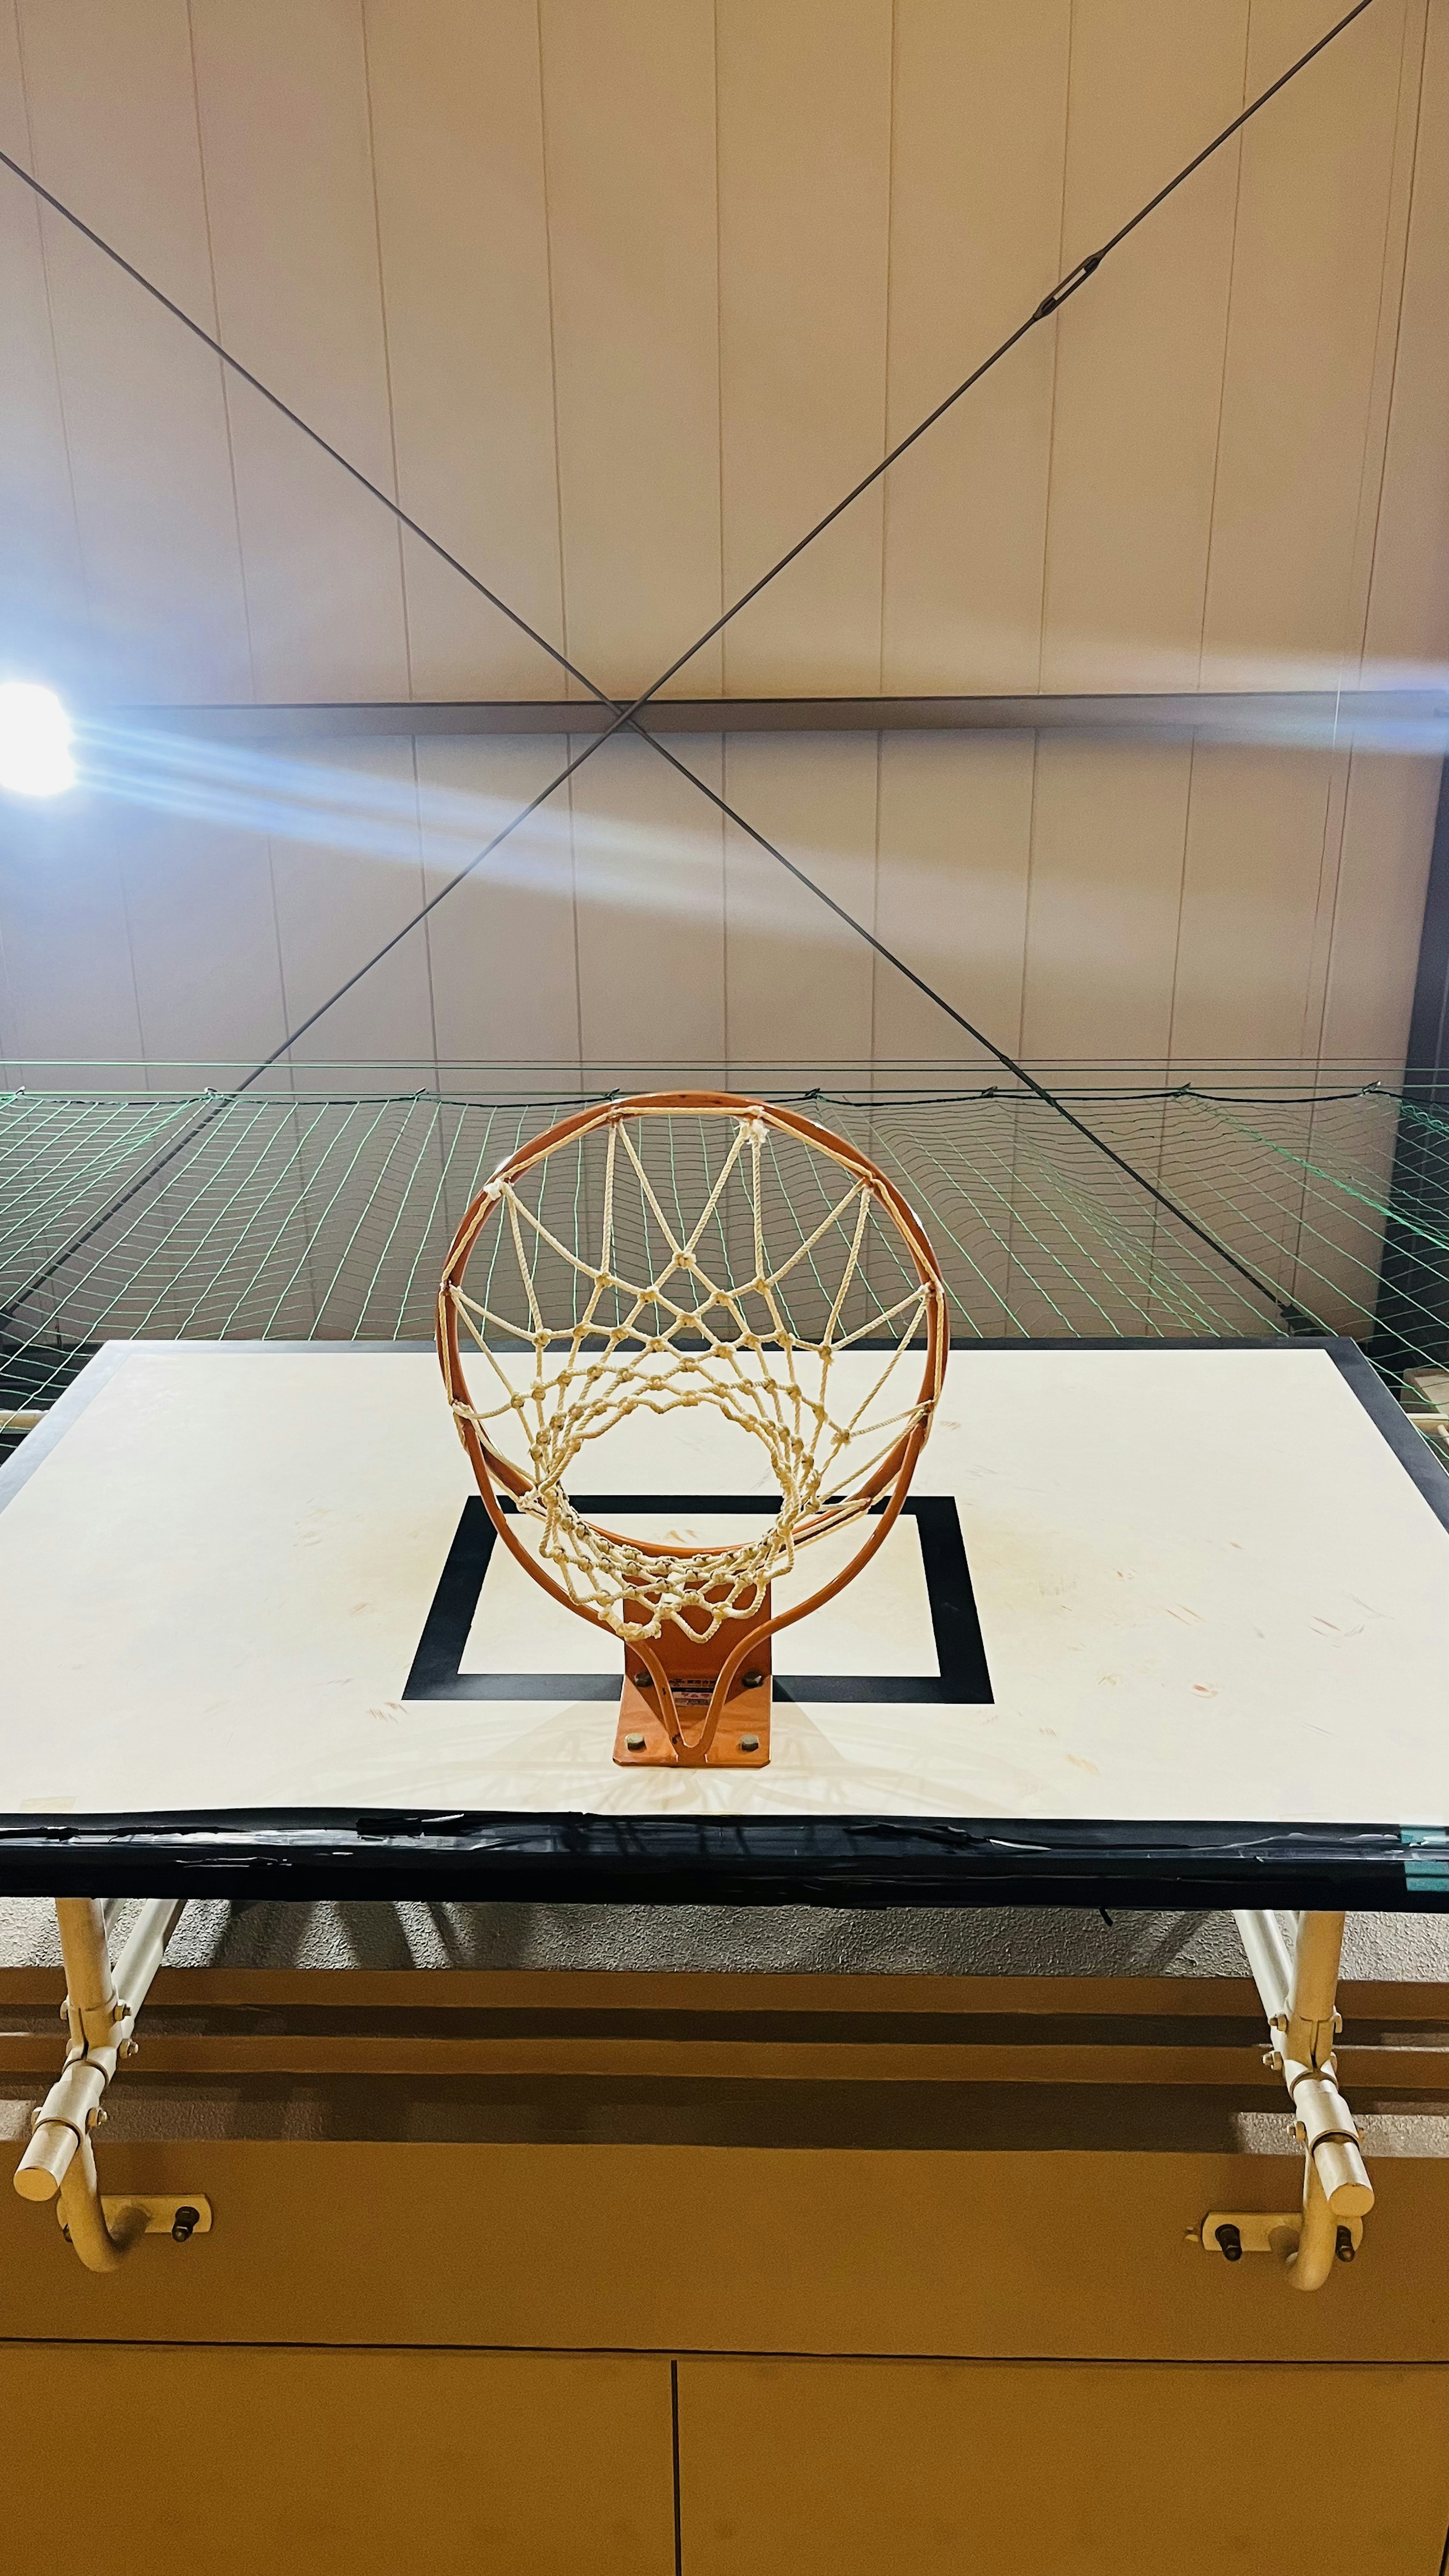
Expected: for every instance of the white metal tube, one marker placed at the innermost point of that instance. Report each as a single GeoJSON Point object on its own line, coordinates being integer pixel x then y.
{"type": "Point", "coordinates": [1317, 1954]}
{"type": "Point", "coordinates": [142, 1952]}
{"type": "Point", "coordinates": [85, 2219]}
{"type": "Point", "coordinates": [1312, 2017]}
{"type": "Point", "coordinates": [59, 2156]}
{"type": "Point", "coordinates": [90, 1993]}
{"type": "Point", "coordinates": [1309, 2266]}
{"type": "Point", "coordinates": [61, 2122]}
{"type": "Point", "coordinates": [1326, 2126]}
{"type": "Point", "coordinates": [1268, 1956]}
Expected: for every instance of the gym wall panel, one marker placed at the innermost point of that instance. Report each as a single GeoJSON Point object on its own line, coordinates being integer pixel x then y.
{"type": "Point", "coordinates": [1250, 904]}
{"type": "Point", "coordinates": [649, 858]}
{"type": "Point", "coordinates": [953, 880]}
{"type": "Point", "coordinates": [804, 194]}
{"type": "Point", "coordinates": [349, 878]}
{"type": "Point", "coordinates": [1078, 899]}
{"type": "Point", "coordinates": [674, 274]}
{"type": "Point", "coordinates": [1308, 278]}
{"type": "Point", "coordinates": [629, 123]}
{"type": "Point", "coordinates": [46, 614]}
{"type": "Point", "coordinates": [1108, 831]}
{"type": "Point", "coordinates": [1379, 904]}
{"type": "Point", "coordinates": [632, 292]}
{"type": "Point", "coordinates": [987, 2470]}
{"type": "Point", "coordinates": [200, 902]}
{"type": "Point", "coordinates": [801, 987]}
{"type": "Point", "coordinates": [321, 2463]}
{"type": "Point", "coordinates": [1408, 616]}
{"type": "Point", "coordinates": [1139, 368]}
{"type": "Point", "coordinates": [457, 128]}
{"type": "Point", "coordinates": [109, 101]}
{"type": "Point", "coordinates": [503, 954]}
{"type": "Point", "coordinates": [1057, 2253]}
{"type": "Point", "coordinates": [290, 208]}
{"type": "Point", "coordinates": [1408, 108]}
{"type": "Point", "coordinates": [975, 237]}
{"type": "Point", "coordinates": [69, 975]}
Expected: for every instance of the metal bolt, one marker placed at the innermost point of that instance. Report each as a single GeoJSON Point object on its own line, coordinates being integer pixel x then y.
{"type": "Point", "coordinates": [749, 1744]}
{"type": "Point", "coordinates": [1229, 2242]}
{"type": "Point", "coordinates": [633, 1743]}
{"type": "Point", "coordinates": [185, 2224]}
{"type": "Point", "coordinates": [751, 1681]}
{"type": "Point", "coordinates": [643, 1681]}
{"type": "Point", "coordinates": [1343, 2245]}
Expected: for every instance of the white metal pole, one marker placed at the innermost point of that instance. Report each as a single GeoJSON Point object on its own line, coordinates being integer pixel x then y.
{"type": "Point", "coordinates": [1268, 1956]}
{"type": "Point", "coordinates": [59, 2156]}
{"type": "Point", "coordinates": [142, 1951]}
{"type": "Point", "coordinates": [1312, 2259]}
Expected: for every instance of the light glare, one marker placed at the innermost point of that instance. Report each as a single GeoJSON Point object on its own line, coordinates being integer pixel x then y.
{"type": "Point", "coordinates": [34, 740]}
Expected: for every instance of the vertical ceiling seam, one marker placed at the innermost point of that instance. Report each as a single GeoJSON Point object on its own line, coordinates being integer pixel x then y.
{"type": "Point", "coordinates": [563, 587]}
{"type": "Point", "coordinates": [1207, 569]}
{"type": "Point", "coordinates": [402, 569]}
{"type": "Point", "coordinates": [719, 355]}
{"type": "Point", "coordinates": [221, 371]}
{"type": "Point", "coordinates": [1155, 1212]}
{"type": "Point", "coordinates": [885, 390]}
{"type": "Point", "coordinates": [65, 431]}
{"type": "Point", "coordinates": [875, 901]}
{"type": "Point", "coordinates": [724, 939]}
{"type": "Point", "coordinates": [719, 406]}
{"type": "Point", "coordinates": [1423, 15]}
{"type": "Point", "coordinates": [87, 590]}
{"type": "Point", "coordinates": [119, 864]}
{"type": "Point", "coordinates": [1335, 801]}
{"type": "Point", "coordinates": [1019, 1049]}
{"type": "Point", "coordinates": [423, 896]}
{"type": "Point", "coordinates": [1331, 872]}
{"type": "Point", "coordinates": [574, 910]}
{"type": "Point", "coordinates": [1056, 341]}
{"type": "Point", "coordinates": [887, 321]}
{"type": "Point", "coordinates": [1192, 751]}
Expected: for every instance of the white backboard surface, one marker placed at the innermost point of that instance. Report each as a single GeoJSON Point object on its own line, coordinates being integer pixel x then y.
{"type": "Point", "coordinates": [1208, 1588]}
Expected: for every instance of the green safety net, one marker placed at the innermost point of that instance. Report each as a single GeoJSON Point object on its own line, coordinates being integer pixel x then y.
{"type": "Point", "coordinates": [297, 1215]}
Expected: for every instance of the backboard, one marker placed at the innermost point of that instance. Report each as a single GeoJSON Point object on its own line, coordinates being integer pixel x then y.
{"type": "Point", "coordinates": [1163, 1623]}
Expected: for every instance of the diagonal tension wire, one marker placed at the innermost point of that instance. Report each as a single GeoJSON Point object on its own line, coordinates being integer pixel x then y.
{"type": "Point", "coordinates": [1163, 1198]}
{"type": "Point", "coordinates": [1050, 305]}
{"type": "Point", "coordinates": [374, 491]}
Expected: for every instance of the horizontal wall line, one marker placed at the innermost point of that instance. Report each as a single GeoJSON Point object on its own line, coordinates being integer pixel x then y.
{"type": "Point", "coordinates": [1399, 719]}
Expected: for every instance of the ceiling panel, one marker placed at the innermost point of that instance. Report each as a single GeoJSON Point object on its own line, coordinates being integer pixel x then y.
{"type": "Point", "coordinates": [620, 294]}
{"type": "Point", "coordinates": [457, 128]}
{"type": "Point", "coordinates": [974, 235]}
{"type": "Point", "coordinates": [629, 110]}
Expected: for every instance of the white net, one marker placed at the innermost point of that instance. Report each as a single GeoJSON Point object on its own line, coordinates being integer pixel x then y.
{"type": "Point", "coordinates": [665, 1260]}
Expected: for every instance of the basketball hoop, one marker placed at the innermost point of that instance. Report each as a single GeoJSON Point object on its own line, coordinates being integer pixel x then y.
{"type": "Point", "coordinates": [734, 1252]}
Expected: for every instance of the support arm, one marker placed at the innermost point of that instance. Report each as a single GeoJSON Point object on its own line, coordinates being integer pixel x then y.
{"type": "Point", "coordinates": [100, 2010]}
{"type": "Point", "coordinates": [1298, 1989]}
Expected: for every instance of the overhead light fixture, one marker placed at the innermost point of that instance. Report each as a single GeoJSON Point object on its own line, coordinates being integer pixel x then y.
{"type": "Point", "coordinates": [35, 757]}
